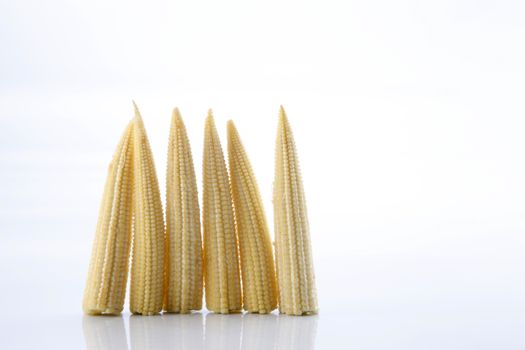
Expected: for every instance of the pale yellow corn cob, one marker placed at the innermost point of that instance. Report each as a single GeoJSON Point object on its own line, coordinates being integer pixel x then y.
{"type": "Point", "coordinates": [183, 232]}
{"type": "Point", "coordinates": [147, 267]}
{"type": "Point", "coordinates": [108, 270]}
{"type": "Point", "coordinates": [259, 285]}
{"type": "Point", "coordinates": [297, 293]}
{"type": "Point", "coordinates": [221, 257]}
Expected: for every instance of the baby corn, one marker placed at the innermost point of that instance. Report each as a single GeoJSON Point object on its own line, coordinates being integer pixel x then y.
{"type": "Point", "coordinates": [259, 284]}
{"type": "Point", "coordinates": [221, 259]}
{"type": "Point", "coordinates": [297, 293]}
{"type": "Point", "coordinates": [183, 232]}
{"type": "Point", "coordinates": [147, 267]}
{"type": "Point", "coordinates": [108, 270]}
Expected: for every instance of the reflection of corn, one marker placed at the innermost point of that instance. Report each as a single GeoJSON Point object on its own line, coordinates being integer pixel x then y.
{"type": "Point", "coordinates": [296, 333]}
{"type": "Point", "coordinates": [147, 266]}
{"type": "Point", "coordinates": [147, 333]}
{"type": "Point", "coordinates": [259, 284]}
{"type": "Point", "coordinates": [183, 232]}
{"type": "Point", "coordinates": [108, 271]}
{"type": "Point", "coordinates": [297, 294]}
{"type": "Point", "coordinates": [259, 332]}
{"type": "Point", "coordinates": [222, 332]}
{"type": "Point", "coordinates": [183, 331]}
{"type": "Point", "coordinates": [104, 333]}
{"type": "Point", "coordinates": [221, 259]}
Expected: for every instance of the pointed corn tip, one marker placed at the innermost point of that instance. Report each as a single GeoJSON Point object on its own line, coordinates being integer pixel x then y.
{"type": "Point", "coordinates": [210, 122]}
{"type": "Point", "coordinates": [137, 112]}
{"type": "Point", "coordinates": [210, 130]}
{"type": "Point", "coordinates": [282, 115]}
{"type": "Point", "coordinates": [231, 130]}
{"type": "Point", "coordinates": [130, 125]}
{"type": "Point", "coordinates": [176, 118]}
{"type": "Point", "coordinates": [283, 120]}
{"type": "Point", "coordinates": [230, 125]}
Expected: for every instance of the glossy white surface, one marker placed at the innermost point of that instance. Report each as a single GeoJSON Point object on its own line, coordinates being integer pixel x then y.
{"type": "Point", "coordinates": [367, 303]}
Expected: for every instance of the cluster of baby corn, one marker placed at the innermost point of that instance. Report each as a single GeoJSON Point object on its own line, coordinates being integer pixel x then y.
{"type": "Point", "coordinates": [169, 260]}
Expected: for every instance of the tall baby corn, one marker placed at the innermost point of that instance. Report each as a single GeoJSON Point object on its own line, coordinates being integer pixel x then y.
{"type": "Point", "coordinates": [183, 232]}
{"type": "Point", "coordinates": [259, 284]}
{"type": "Point", "coordinates": [297, 293]}
{"type": "Point", "coordinates": [108, 270]}
{"type": "Point", "coordinates": [147, 268]}
{"type": "Point", "coordinates": [221, 259]}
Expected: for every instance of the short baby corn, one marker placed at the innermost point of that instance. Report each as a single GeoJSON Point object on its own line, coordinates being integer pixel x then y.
{"type": "Point", "coordinates": [183, 232]}
{"type": "Point", "coordinates": [259, 284]}
{"type": "Point", "coordinates": [108, 270]}
{"type": "Point", "coordinates": [147, 267]}
{"type": "Point", "coordinates": [297, 293]}
{"type": "Point", "coordinates": [221, 259]}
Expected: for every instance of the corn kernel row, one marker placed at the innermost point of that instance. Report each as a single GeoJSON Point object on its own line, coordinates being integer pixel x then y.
{"type": "Point", "coordinates": [170, 263]}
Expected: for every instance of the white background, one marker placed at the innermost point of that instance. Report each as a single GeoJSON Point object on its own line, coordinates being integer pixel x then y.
{"type": "Point", "coordinates": [409, 121]}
